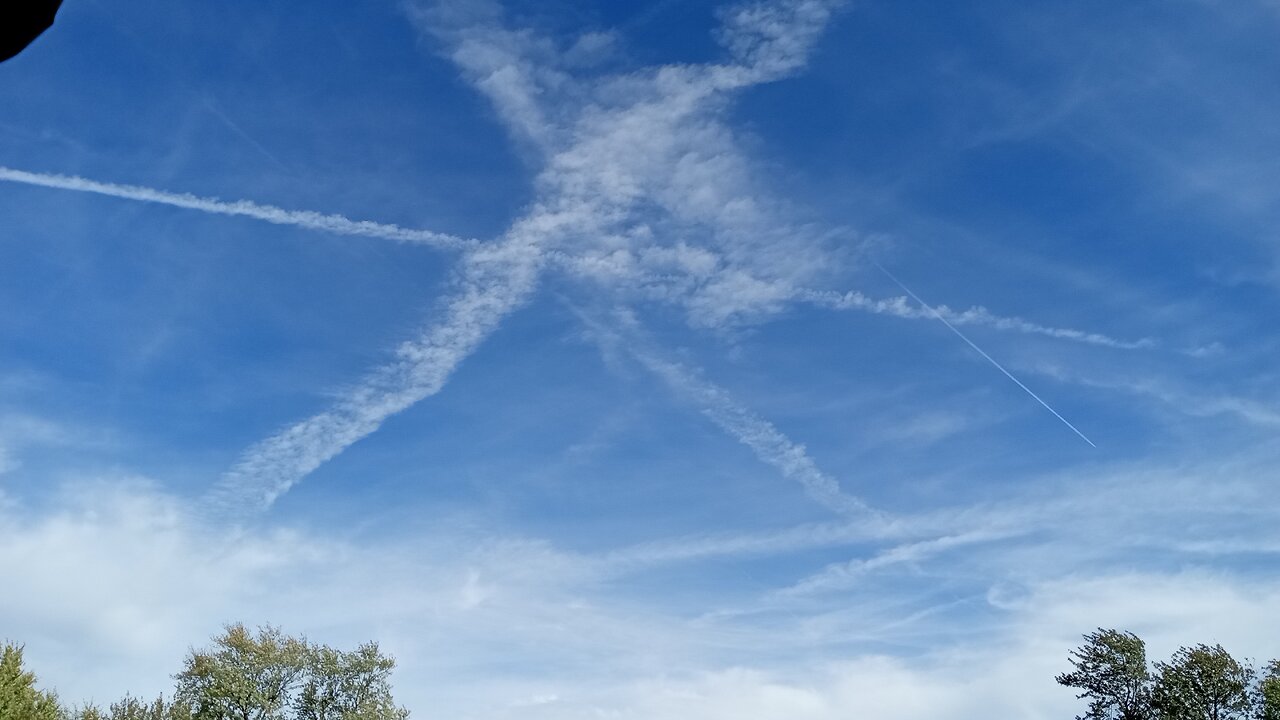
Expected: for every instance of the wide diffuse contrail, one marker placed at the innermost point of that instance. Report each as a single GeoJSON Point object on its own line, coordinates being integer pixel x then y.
{"type": "Point", "coordinates": [336, 224]}
{"type": "Point", "coordinates": [980, 351]}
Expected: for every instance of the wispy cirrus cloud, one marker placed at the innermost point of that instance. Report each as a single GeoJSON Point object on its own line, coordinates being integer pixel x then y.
{"type": "Point", "coordinates": [841, 575]}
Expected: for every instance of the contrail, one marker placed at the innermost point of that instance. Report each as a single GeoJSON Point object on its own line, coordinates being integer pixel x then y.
{"type": "Point", "coordinates": [841, 575]}
{"type": "Point", "coordinates": [493, 282]}
{"type": "Point", "coordinates": [898, 307]}
{"type": "Point", "coordinates": [768, 443]}
{"type": "Point", "coordinates": [336, 224]}
{"type": "Point", "coordinates": [340, 225]}
{"type": "Point", "coordinates": [991, 360]}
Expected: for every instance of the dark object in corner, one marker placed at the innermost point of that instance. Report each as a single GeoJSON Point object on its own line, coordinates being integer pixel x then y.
{"type": "Point", "coordinates": [22, 21]}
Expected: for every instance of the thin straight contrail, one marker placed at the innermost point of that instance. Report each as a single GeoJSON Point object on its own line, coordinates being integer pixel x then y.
{"type": "Point", "coordinates": [336, 224]}
{"type": "Point", "coordinates": [990, 359]}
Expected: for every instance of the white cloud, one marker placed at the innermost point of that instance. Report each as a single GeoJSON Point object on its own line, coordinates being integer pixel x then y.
{"type": "Point", "coordinates": [117, 579]}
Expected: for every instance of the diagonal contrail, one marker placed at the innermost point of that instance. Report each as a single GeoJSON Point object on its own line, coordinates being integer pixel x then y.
{"type": "Point", "coordinates": [336, 224]}
{"type": "Point", "coordinates": [979, 350]}
{"type": "Point", "coordinates": [769, 444]}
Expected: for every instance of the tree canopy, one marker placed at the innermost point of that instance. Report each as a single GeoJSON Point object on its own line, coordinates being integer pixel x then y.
{"type": "Point", "coordinates": [1111, 671]}
{"type": "Point", "coordinates": [245, 675]}
{"type": "Point", "coordinates": [1202, 682]}
{"type": "Point", "coordinates": [19, 697]}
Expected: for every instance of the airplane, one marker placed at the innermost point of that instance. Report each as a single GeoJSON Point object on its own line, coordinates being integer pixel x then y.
{"type": "Point", "coordinates": [22, 21]}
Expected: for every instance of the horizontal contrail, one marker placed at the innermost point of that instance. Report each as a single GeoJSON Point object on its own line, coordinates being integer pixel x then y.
{"type": "Point", "coordinates": [979, 350]}
{"type": "Point", "coordinates": [898, 307]}
{"type": "Point", "coordinates": [629, 268]}
{"type": "Point", "coordinates": [841, 575]}
{"type": "Point", "coordinates": [336, 224]}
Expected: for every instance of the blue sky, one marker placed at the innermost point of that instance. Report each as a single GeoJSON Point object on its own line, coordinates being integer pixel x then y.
{"type": "Point", "coordinates": [557, 345]}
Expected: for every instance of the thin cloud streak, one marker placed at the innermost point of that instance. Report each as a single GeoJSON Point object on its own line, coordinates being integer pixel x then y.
{"type": "Point", "coordinates": [842, 575]}
{"type": "Point", "coordinates": [989, 359]}
{"type": "Point", "coordinates": [493, 282]}
{"type": "Point", "coordinates": [702, 268]}
{"type": "Point", "coordinates": [336, 224]}
{"type": "Point", "coordinates": [977, 316]}
{"type": "Point", "coordinates": [340, 225]}
{"type": "Point", "coordinates": [768, 443]}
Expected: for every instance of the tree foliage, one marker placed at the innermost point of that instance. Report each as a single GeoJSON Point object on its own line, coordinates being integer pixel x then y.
{"type": "Point", "coordinates": [270, 676]}
{"type": "Point", "coordinates": [131, 708]}
{"type": "Point", "coordinates": [1267, 696]}
{"type": "Point", "coordinates": [19, 698]}
{"type": "Point", "coordinates": [348, 686]}
{"type": "Point", "coordinates": [1203, 683]}
{"type": "Point", "coordinates": [1111, 671]}
{"type": "Point", "coordinates": [245, 675]}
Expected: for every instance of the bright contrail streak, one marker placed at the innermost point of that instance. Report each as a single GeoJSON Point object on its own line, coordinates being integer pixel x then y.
{"type": "Point", "coordinates": [979, 350]}
{"type": "Point", "coordinates": [769, 444]}
{"type": "Point", "coordinates": [336, 224]}
{"type": "Point", "coordinates": [493, 282]}
{"type": "Point", "coordinates": [898, 307]}
{"type": "Point", "coordinates": [340, 225]}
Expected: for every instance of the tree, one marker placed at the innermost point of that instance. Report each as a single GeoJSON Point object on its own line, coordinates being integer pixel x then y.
{"type": "Point", "coordinates": [1111, 671]}
{"type": "Point", "coordinates": [1203, 683]}
{"type": "Point", "coordinates": [271, 676]}
{"type": "Point", "coordinates": [348, 686]}
{"type": "Point", "coordinates": [19, 698]}
{"type": "Point", "coordinates": [131, 708]}
{"type": "Point", "coordinates": [1267, 697]}
{"type": "Point", "coordinates": [246, 676]}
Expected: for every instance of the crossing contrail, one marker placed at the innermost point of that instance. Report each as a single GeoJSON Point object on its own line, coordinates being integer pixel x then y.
{"type": "Point", "coordinates": [979, 350]}
{"type": "Point", "coordinates": [340, 225]}
{"type": "Point", "coordinates": [336, 224]}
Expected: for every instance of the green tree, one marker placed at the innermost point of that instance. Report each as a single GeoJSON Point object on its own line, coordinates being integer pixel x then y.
{"type": "Point", "coordinates": [1203, 683]}
{"type": "Point", "coordinates": [348, 686]}
{"type": "Point", "coordinates": [19, 698]}
{"type": "Point", "coordinates": [246, 676]}
{"type": "Point", "coordinates": [131, 708]}
{"type": "Point", "coordinates": [1267, 696]}
{"type": "Point", "coordinates": [1111, 671]}
{"type": "Point", "coordinates": [86, 712]}
{"type": "Point", "coordinates": [271, 676]}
